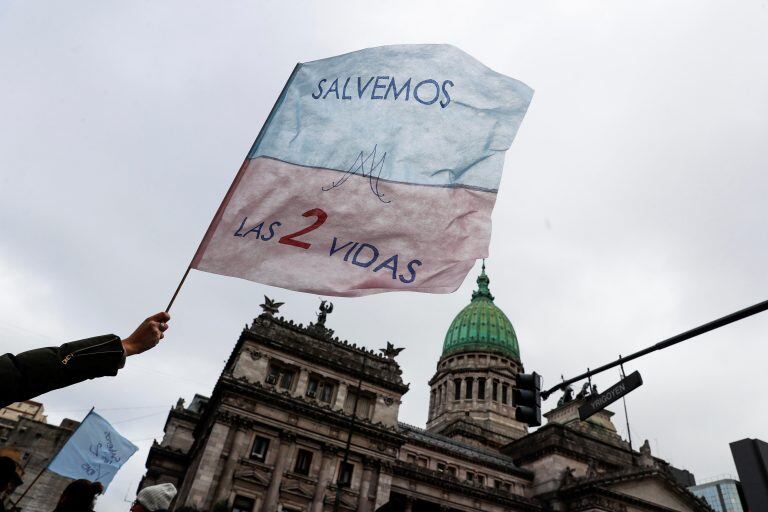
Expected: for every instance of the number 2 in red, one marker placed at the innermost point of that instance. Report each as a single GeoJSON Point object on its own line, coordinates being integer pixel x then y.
{"type": "Point", "coordinates": [290, 239]}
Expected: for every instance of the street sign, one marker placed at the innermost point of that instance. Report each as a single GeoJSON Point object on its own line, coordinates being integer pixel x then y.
{"type": "Point", "coordinates": [607, 397]}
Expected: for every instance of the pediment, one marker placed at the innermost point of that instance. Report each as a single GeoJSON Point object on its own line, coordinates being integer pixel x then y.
{"type": "Point", "coordinates": [254, 476]}
{"type": "Point", "coordinates": [657, 490]}
{"type": "Point", "coordinates": [297, 487]}
{"type": "Point", "coordinates": [650, 488]}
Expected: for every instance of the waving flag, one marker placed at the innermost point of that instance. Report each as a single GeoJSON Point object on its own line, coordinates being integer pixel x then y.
{"type": "Point", "coordinates": [376, 171]}
{"type": "Point", "coordinates": [95, 451]}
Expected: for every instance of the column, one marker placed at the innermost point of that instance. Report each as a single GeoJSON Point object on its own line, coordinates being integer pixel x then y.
{"type": "Point", "coordinates": [383, 484]}
{"type": "Point", "coordinates": [236, 451]}
{"type": "Point", "coordinates": [273, 491]}
{"type": "Point", "coordinates": [341, 396]}
{"type": "Point", "coordinates": [363, 502]}
{"type": "Point", "coordinates": [301, 385]}
{"type": "Point", "coordinates": [324, 478]}
{"type": "Point", "coordinates": [202, 480]}
{"type": "Point", "coordinates": [432, 403]}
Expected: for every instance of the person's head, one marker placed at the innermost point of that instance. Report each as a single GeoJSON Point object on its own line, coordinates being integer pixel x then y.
{"type": "Point", "coordinates": [9, 476]}
{"type": "Point", "coordinates": [79, 496]}
{"type": "Point", "coordinates": [154, 498]}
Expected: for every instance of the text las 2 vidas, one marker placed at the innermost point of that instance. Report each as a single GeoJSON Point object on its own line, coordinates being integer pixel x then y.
{"type": "Point", "coordinates": [384, 87]}
{"type": "Point", "coordinates": [362, 254]}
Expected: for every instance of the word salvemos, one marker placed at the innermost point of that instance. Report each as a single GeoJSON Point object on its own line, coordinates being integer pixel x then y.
{"type": "Point", "coordinates": [361, 254]}
{"type": "Point", "coordinates": [384, 87]}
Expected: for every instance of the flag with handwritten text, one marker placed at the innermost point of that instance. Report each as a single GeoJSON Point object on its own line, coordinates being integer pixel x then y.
{"type": "Point", "coordinates": [376, 171]}
{"type": "Point", "coordinates": [95, 451]}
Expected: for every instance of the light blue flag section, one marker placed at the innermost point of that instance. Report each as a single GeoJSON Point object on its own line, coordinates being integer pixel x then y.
{"type": "Point", "coordinates": [95, 451]}
{"type": "Point", "coordinates": [441, 117]}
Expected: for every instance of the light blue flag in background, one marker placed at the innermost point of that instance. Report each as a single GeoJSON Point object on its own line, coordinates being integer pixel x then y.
{"type": "Point", "coordinates": [95, 452]}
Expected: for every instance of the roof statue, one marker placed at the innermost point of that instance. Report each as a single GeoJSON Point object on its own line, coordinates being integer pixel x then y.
{"type": "Point", "coordinates": [585, 392]}
{"type": "Point", "coordinates": [326, 308]}
{"type": "Point", "coordinates": [391, 352]}
{"type": "Point", "coordinates": [270, 307]}
{"type": "Point", "coordinates": [567, 396]}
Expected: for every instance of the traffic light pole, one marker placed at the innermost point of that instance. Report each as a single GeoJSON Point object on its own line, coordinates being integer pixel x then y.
{"type": "Point", "coordinates": [710, 326]}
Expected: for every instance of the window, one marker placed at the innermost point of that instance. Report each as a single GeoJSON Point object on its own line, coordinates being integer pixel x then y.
{"type": "Point", "coordinates": [504, 393]}
{"type": "Point", "coordinates": [242, 504]}
{"type": "Point", "coordinates": [439, 394]}
{"type": "Point", "coordinates": [303, 462]}
{"type": "Point", "coordinates": [497, 484]}
{"type": "Point", "coordinates": [312, 386]}
{"type": "Point", "coordinates": [286, 379]}
{"type": "Point", "coordinates": [457, 389]}
{"type": "Point", "coordinates": [326, 391]}
{"type": "Point", "coordinates": [480, 479]}
{"type": "Point", "coordinates": [280, 376]}
{"type": "Point", "coordinates": [470, 477]}
{"type": "Point", "coordinates": [345, 474]}
{"type": "Point", "coordinates": [495, 395]}
{"type": "Point", "coordinates": [452, 471]}
{"type": "Point", "coordinates": [469, 381]}
{"type": "Point", "coordinates": [481, 388]}
{"type": "Point", "coordinates": [320, 389]}
{"type": "Point", "coordinates": [411, 458]}
{"type": "Point", "coordinates": [440, 467]}
{"type": "Point", "coordinates": [259, 449]}
{"type": "Point", "coordinates": [506, 487]}
{"type": "Point", "coordinates": [363, 404]}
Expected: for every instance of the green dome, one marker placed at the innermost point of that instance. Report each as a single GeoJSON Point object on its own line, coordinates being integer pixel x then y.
{"type": "Point", "coordinates": [481, 326]}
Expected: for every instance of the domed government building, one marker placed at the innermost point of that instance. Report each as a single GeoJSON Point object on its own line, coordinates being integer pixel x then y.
{"type": "Point", "coordinates": [300, 420]}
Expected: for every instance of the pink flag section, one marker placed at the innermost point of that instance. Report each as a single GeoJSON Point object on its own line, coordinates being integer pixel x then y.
{"type": "Point", "coordinates": [277, 228]}
{"type": "Point", "coordinates": [376, 171]}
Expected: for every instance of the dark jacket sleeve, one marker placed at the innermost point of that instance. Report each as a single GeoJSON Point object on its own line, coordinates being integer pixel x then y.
{"type": "Point", "coordinates": [38, 371]}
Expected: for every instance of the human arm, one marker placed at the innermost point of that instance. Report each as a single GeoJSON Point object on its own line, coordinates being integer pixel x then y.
{"type": "Point", "coordinates": [38, 371]}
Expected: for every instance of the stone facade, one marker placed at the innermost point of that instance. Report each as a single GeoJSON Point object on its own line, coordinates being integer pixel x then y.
{"type": "Point", "coordinates": [299, 419]}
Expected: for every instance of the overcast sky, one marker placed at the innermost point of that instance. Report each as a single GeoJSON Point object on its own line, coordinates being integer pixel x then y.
{"type": "Point", "coordinates": [632, 207]}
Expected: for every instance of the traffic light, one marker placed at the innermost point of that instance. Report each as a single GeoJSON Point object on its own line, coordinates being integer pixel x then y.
{"type": "Point", "coordinates": [527, 399]}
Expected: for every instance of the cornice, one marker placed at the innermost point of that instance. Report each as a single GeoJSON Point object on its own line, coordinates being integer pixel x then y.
{"type": "Point", "coordinates": [598, 483]}
{"type": "Point", "coordinates": [346, 358]}
{"type": "Point", "coordinates": [300, 406]}
{"type": "Point", "coordinates": [451, 483]}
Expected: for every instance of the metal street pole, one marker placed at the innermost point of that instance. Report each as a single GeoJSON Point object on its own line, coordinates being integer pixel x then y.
{"type": "Point", "coordinates": [345, 460]}
{"type": "Point", "coordinates": [710, 326]}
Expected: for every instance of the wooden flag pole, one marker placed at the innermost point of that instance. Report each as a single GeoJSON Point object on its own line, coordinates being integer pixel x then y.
{"type": "Point", "coordinates": [216, 218]}
{"type": "Point", "coordinates": [183, 278]}
{"type": "Point", "coordinates": [16, 503]}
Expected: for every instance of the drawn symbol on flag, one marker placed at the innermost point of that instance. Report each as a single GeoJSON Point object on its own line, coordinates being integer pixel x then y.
{"type": "Point", "coordinates": [358, 166]}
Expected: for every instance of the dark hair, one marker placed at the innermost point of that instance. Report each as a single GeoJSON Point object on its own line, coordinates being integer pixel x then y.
{"type": "Point", "coordinates": [8, 472]}
{"type": "Point", "coordinates": [79, 496]}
